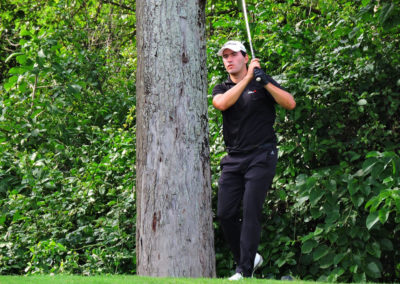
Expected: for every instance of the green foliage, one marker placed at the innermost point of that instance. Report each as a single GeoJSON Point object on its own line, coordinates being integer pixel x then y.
{"type": "Point", "coordinates": [67, 153]}
{"type": "Point", "coordinates": [338, 234]}
{"type": "Point", "coordinates": [67, 136]}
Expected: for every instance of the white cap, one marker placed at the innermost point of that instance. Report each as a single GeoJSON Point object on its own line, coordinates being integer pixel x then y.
{"type": "Point", "coordinates": [232, 45]}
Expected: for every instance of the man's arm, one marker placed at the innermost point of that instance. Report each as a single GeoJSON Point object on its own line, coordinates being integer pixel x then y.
{"type": "Point", "coordinates": [224, 101]}
{"type": "Point", "coordinates": [282, 98]}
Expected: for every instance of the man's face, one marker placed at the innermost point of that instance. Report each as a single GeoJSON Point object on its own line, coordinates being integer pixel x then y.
{"type": "Point", "coordinates": [234, 62]}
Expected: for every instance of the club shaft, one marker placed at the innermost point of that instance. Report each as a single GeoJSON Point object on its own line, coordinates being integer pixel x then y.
{"type": "Point", "coordinates": [247, 28]}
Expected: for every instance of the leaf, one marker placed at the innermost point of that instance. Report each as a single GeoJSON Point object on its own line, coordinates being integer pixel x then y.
{"type": "Point", "coordinates": [337, 272]}
{"type": "Point", "coordinates": [318, 231]}
{"type": "Point", "coordinates": [353, 268]}
{"type": "Point", "coordinates": [2, 219]}
{"type": "Point", "coordinates": [22, 87]}
{"type": "Point", "coordinates": [315, 212]}
{"type": "Point", "coordinates": [374, 249]}
{"type": "Point", "coordinates": [365, 2]}
{"type": "Point", "coordinates": [332, 185]}
{"type": "Point", "coordinates": [372, 219]}
{"type": "Point", "coordinates": [383, 214]}
{"type": "Point", "coordinates": [366, 189]}
{"type": "Point", "coordinates": [357, 200]}
{"type": "Point", "coordinates": [386, 11]}
{"type": "Point", "coordinates": [316, 195]}
{"type": "Point", "coordinates": [373, 270]}
{"type": "Point", "coordinates": [354, 32]}
{"type": "Point", "coordinates": [301, 180]}
{"type": "Point", "coordinates": [388, 180]}
{"type": "Point", "coordinates": [320, 252]}
{"type": "Point", "coordinates": [280, 262]}
{"type": "Point", "coordinates": [74, 89]}
{"type": "Point", "coordinates": [16, 216]}
{"type": "Point", "coordinates": [21, 59]}
{"type": "Point", "coordinates": [332, 217]}
{"type": "Point", "coordinates": [308, 246]}
{"type": "Point", "coordinates": [302, 200]}
{"type": "Point", "coordinates": [338, 258]}
{"type": "Point", "coordinates": [282, 195]}
{"type": "Point", "coordinates": [366, 168]}
{"type": "Point", "coordinates": [41, 54]}
{"type": "Point", "coordinates": [362, 102]}
{"type": "Point", "coordinates": [12, 55]}
{"type": "Point", "coordinates": [326, 261]}
{"type": "Point", "coordinates": [16, 70]}
{"type": "Point", "coordinates": [9, 84]}
{"type": "Point", "coordinates": [354, 157]}
{"type": "Point", "coordinates": [353, 187]}
{"type": "Point", "coordinates": [386, 244]}
{"type": "Point", "coordinates": [373, 154]}
{"type": "Point", "coordinates": [360, 278]}
{"type": "Point", "coordinates": [307, 237]}
{"type": "Point", "coordinates": [311, 181]}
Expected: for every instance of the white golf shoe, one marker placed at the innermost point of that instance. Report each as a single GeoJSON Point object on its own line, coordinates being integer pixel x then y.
{"type": "Point", "coordinates": [237, 276]}
{"type": "Point", "coordinates": [258, 261]}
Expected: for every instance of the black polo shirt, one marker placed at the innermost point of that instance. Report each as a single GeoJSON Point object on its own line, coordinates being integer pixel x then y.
{"type": "Point", "coordinates": [249, 122]}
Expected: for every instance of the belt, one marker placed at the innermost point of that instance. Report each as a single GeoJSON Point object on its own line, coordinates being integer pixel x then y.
{"type": "Point", "coordinates": [257, 147]}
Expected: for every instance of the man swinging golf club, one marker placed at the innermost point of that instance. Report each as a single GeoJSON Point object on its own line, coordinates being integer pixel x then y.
{"type": "Point", "coordinates": [247, 100]}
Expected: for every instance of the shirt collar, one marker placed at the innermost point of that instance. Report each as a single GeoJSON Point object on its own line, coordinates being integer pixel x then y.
{"type": "Point", "coordinates": [229, 81]}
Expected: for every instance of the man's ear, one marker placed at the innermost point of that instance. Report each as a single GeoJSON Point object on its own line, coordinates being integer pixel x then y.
{"type": "Point", "coordinates": [246, 58]}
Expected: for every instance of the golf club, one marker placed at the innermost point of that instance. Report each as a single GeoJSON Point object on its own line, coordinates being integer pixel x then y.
{"type": "Point", "coordinates": [258, 79]}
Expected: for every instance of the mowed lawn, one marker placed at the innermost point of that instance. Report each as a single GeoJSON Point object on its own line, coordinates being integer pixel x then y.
{"type": "Point", "coordinates": [125, 279]}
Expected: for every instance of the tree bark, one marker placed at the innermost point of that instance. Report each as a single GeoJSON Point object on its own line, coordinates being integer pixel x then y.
{"type": "Point", "coordinates": [174, 234]}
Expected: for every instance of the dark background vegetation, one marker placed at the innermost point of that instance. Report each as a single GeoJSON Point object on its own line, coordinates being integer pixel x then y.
{"type": "Point", "coordinates": [67, 136]}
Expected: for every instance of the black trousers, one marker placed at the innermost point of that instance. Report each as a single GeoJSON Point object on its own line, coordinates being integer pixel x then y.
{"type": "Point", "coordinates": [244, 182]}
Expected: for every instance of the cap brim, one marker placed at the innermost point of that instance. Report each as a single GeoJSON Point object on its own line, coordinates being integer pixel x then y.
{"type": "Point", "coordinates": [233, 48]}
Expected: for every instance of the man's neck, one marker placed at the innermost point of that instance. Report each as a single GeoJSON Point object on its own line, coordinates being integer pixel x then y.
{"type": "Point", "coordinates": [236, 78]}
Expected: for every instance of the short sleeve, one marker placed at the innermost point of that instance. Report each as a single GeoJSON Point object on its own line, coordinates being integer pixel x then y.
{"type": "Point", "coordinates": [219, 89]}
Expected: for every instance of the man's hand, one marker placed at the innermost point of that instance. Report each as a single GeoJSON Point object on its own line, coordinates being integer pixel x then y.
{"type": "Point", "coordinates": [254, 64]}
{"type": "Point", "coordinates": [259, 73]}
{"type": "Point", "coordinates": [255, 71]}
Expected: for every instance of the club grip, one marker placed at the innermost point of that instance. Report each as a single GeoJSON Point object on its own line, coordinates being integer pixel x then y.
{"type": "Point", "coordinates": [258, 78]}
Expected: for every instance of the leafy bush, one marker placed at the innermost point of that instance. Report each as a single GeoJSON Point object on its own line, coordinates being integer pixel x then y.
{"type": "Point", "coordinates": [346, 242]}
{"type": "Point", "coordinates": [79, 221]}
{"type": "Point", "coordinates": [67, 156]}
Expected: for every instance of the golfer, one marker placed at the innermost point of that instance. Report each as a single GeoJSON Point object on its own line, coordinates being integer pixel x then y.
{"type": "Point", "coordinates": [248, 110]}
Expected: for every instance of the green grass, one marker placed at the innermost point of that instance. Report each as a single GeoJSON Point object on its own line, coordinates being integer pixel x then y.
{"type": "Point", "coordinates": [121, 279]}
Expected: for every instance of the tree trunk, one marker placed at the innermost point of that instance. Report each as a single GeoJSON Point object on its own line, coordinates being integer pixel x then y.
{"type": "Point", "coordinates": [174, 234]}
